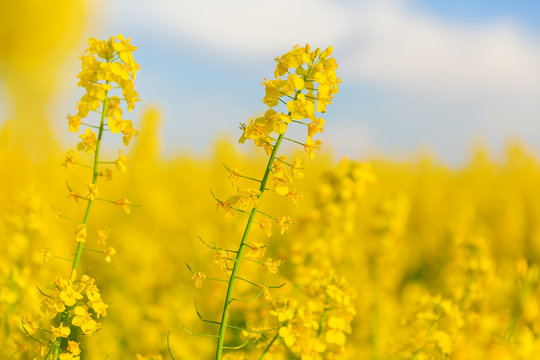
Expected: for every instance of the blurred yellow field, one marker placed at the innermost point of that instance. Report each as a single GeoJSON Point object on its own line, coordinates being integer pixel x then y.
{"type": "Point", "coordinates": [109, 250]}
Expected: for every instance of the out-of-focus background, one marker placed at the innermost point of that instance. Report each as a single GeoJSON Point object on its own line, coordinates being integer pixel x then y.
{"type": "Point", "coordinates": [419, 76]}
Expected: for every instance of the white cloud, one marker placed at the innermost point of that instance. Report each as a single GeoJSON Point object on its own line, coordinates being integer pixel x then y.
{"type": "Point", "coordinates": [381, 41]}
{"type": "Point", "coordinates": [411, 50]}
{"type": "Point", "coordinates": [245, 27]}
{"type": "Point", "coordinates": [472, 79]}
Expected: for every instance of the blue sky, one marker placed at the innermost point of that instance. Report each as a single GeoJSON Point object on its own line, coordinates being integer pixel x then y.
{"type": "Point", "coordinates": [418, 76]}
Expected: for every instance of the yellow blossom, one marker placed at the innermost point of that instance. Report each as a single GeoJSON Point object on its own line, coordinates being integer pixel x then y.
{"type": "Point", "coordinates": [30, 326]}
{"type": "Point", "coordinates": [234, 175]}
{"type": "Point", "coordinates": [103, 235]}
{"type": "Point", "coordinates": [284, 222]}
{"type": "Point", "coordinates": [128, 132]}
{"type": "Point", "coordinates": [74, 122]}
{"type": "Point", "coordinates": [89, 141]}
{"type": "Point", "coordinates": [294, 195]}
{"type": "Point", "coordinates": [272, 266]}
{"type": "Point", "coordinates": [73, 351]}
{"type": "Point", "coordinates": [70, 160]}
{"type": "Point", "coordinates": [106, 173]}
{"type": "Point", "coordinates": [198, 277]}
{"type": "Point", "coordinates": [121, 162]}
{"type": "Point", "coordinates": [70, 295]}
{"type": "Point", "coordinates": [226, 207]}
{"type": "Point", "coordinates": [124, 204]}
{"type": "Point", "coordinates": [60, 331]}
{"type": "Point", "coordinates": [301, 108]}
{"type": "Point", "coordinates": [297, 168]}
{"type": "Point", "coordinates": [81, 233]}
{"type": "Point", "coordinates": [287, 334]}
{"type": "Point", "coordinates": [92, 191]}
{"type": "Point", "coordinates": [310, 146]}
{"type": "Point", "coordinates": [99, 307]}
{"type": "Point", "coordinates": [266, 225]}
{"type": "Point", "coordinates": [256, 250]}
{"type": "Point", "coordinates": [110, 254]}
{"type": "Point", "coordinates": [83, 320]}
{"type": "Point", "coordinates": [51, 306]}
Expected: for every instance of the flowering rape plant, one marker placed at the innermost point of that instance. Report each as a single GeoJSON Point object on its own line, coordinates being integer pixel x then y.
{"type": "Point", "coordinates": [305, 83]}
{"type": "Point", "coordinates": [74, 306]}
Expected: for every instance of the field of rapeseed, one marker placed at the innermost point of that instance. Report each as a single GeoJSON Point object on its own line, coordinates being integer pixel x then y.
{"type": "Point", "coordinates": [108, 251]}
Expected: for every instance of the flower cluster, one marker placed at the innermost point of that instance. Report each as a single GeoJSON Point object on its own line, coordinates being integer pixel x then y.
{"type": "Point", "coordinates": [305, 83]}
{"type": "Point", "coordinates": [104, 64]}
{"type": "Point", "coordinates": [74, 305]}
{"type": "Point", "coordinates": [315, 327]}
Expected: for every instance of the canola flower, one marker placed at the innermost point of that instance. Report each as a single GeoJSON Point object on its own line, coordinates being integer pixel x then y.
{"type": "Point", "coordinates": [305, 83]}
{"type": "Point", "coordinates": [75, 305]}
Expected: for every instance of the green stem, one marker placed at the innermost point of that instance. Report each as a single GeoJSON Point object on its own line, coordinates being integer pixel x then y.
{"type": "Point", "coordinates": [323, 317]}
{"type": "Point", "coordinates": [228, 297]}
{"type": "Point", "coordinates": [80, 246]}
{"type": "Point", "coordinates": [269, 345]}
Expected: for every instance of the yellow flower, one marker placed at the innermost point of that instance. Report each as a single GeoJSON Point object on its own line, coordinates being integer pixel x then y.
{"type": "Point", "coordinates": [297, 168]}
{"type": "Point", "coordinates": [73, 351]}
{"type": "Point", "coordinates": [60, 331]}
{"type": "Point", "coordinates": [83, 320]}
{"type": "Point", "coordinates": [234, 175]}
{"type": "Point", "coordinates": [89, 141]}
{"type": "Point", "coordinates": [284, 222]}
{"type": "Point", "coordinates": [286, 311]}
{"type": "Point", "coordinates": [110, 254]}
{"type": "Point", "coordinates": [280, 122]}
{"type": "Point", "coordinates": [335, 333]}
{"type": "Point", "coordinates": [271, 266]}
{"type": "Point", "coordinates": [51, 306]}
{"type": "Point", "coordinates": [103, 235]}
{"type": "Point", "coordinates": [256, 250]}
{"type": "Point", "coordinates": [128, 132]}
{"type": "Point", "coordinates": [287, 334]}
{"type": "Point", "coordinates": [310, 146]}
{"type": "Point", "coordinates": [92, 191]}
{"type": "Point", "coordinates": [69, 295]}
{"type": "Point", "coordinates": [294, 195]}
{"type": "Point", "coordinates": [106, 173]}
{"type": "Point", "coordinates": [273, 91]}
{"type": "Point", "coordinates": [245, 199]}
{"type": "Point", "coordinates": [99, 307]}
{"type": "Point", "coordinates": [198, 277]}
{"type": "Point", "coordinates": [259, 128]}
{"type": "Point", "coordinates": [81, 233]}
{"type": "Point", "coordinates": [74, 195]}
{"type": "Point", "coordinates": [266, 225]}
{"type": "Point", "coordinates": [252, 336]}
{"type": "Point", "coordinates": [225, 206]}
{"type": "Point", "coordinates": [70, 160]}
{"type": "Point", "coordinates": [47, 255]}
{"type": "Point", "coordinates": [280, 184]}
{"type": "Point", "coordinates": [301, 108]}
{"type": "Point", "coordinates": [316, 126]}
{"type": "Point", "coordinates": [266, 292]}
{"type": "Point", "coordinates": [121, 162]}
{"type": "Point", "coordinates": [30, 326]}
{"type": "Point", "coordinates": [74, 122]}
{"type": "Point", "coordinates": [124, 204]}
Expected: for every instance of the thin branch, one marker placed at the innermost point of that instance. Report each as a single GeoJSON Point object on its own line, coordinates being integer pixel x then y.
{"type": "Point", "coordinates": [198, 334]}
{"type": "Point", "coordinates": [169, 346]}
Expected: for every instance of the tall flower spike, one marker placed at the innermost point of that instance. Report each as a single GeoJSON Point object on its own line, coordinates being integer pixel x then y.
{"type": "Point", "coordinates": [107, 66]}
{"type": "Point", "coordinates": [305, 83]}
